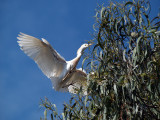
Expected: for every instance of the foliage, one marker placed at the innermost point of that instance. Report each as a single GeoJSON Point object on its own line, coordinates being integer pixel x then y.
{"type": "Point", "coordinates": [124, 78]}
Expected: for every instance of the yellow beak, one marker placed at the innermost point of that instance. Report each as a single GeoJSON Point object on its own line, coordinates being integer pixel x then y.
{"type": "Point", "coordinates": [90, 44]}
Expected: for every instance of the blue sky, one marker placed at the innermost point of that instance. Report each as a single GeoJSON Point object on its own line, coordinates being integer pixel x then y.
{"type": "Point", "coordinates": [66, 24]}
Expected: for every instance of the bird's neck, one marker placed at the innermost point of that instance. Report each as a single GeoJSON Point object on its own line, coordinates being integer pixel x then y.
{"type": "Point", "coordinates": [72, 66]}
{"type": "Point", "coordinates": [76, 60]}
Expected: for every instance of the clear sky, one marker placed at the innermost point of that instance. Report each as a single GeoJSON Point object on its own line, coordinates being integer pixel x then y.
{"type": "Point", "coordinates": [66, 24]}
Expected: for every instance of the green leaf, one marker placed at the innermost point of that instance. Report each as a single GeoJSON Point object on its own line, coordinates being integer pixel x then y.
{"type": "Point", "coordinates": [115, 117]}
{"type": "Point", "coordinates": [147, 17]}
{"type": "Point", "coordinates": [115, 88]}
{"type": "Point", "coordinates": [149, 87]}
{"type": "Point", "coordinates": [157, 32]}
{"type": "Point", "coordinates": [45, 114]}
{"type": "Point", "coordinates": [124, 53]}
{"type": "Point", "coordinates": [63, 116]}
{"type": "Point", "coordinates": [84, 61]}
{"type": "Point", "coordinates": [90, 109]}
{"type": "Point", "coordinates": [121, 80]}
{"type": "Point", "coordinates": [138, 45]}
{"type": "Point", "coordinates": [152, 30]}
{"type": "Point", "coordinates": [100, 40]}
{"type": "Point", "coordinates": [102, 12]}
{"type": "Point", "coordinates": [85, 101]}
{"type": "Point", "coordinates": [134, 54]}
{"type": "Point", "coordinates": [128, 3]}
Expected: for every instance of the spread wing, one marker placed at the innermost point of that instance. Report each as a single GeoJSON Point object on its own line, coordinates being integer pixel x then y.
{"type": "Point", "coordinates": [77, 80]}
{"type": "Point", "coordinates": [48, 60]}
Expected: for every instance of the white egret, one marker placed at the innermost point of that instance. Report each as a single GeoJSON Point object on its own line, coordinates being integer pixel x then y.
{"type": "Point", "coordinates": [63, 74]}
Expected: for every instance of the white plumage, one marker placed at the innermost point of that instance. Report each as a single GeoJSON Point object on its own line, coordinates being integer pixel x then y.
{"type": "Point", "coordinates": [63, 74]}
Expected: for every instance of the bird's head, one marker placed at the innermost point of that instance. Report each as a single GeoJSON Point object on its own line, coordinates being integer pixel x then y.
{"type": "Point", "coordinates": [82, 48]}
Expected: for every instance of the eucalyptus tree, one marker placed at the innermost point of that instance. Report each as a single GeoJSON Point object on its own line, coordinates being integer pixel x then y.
{"type": "Point", "coordinates": [123, 80]}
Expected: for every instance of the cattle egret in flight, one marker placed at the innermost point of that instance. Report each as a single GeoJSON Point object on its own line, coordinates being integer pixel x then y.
{"type": "Point", "coordinates": [63, 74]}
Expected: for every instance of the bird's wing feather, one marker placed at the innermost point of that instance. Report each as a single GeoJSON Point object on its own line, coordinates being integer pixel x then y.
{"type": "Point", "coordinates": [48, 60]}
{"type": "Point", "coordinates": [77, 80]}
